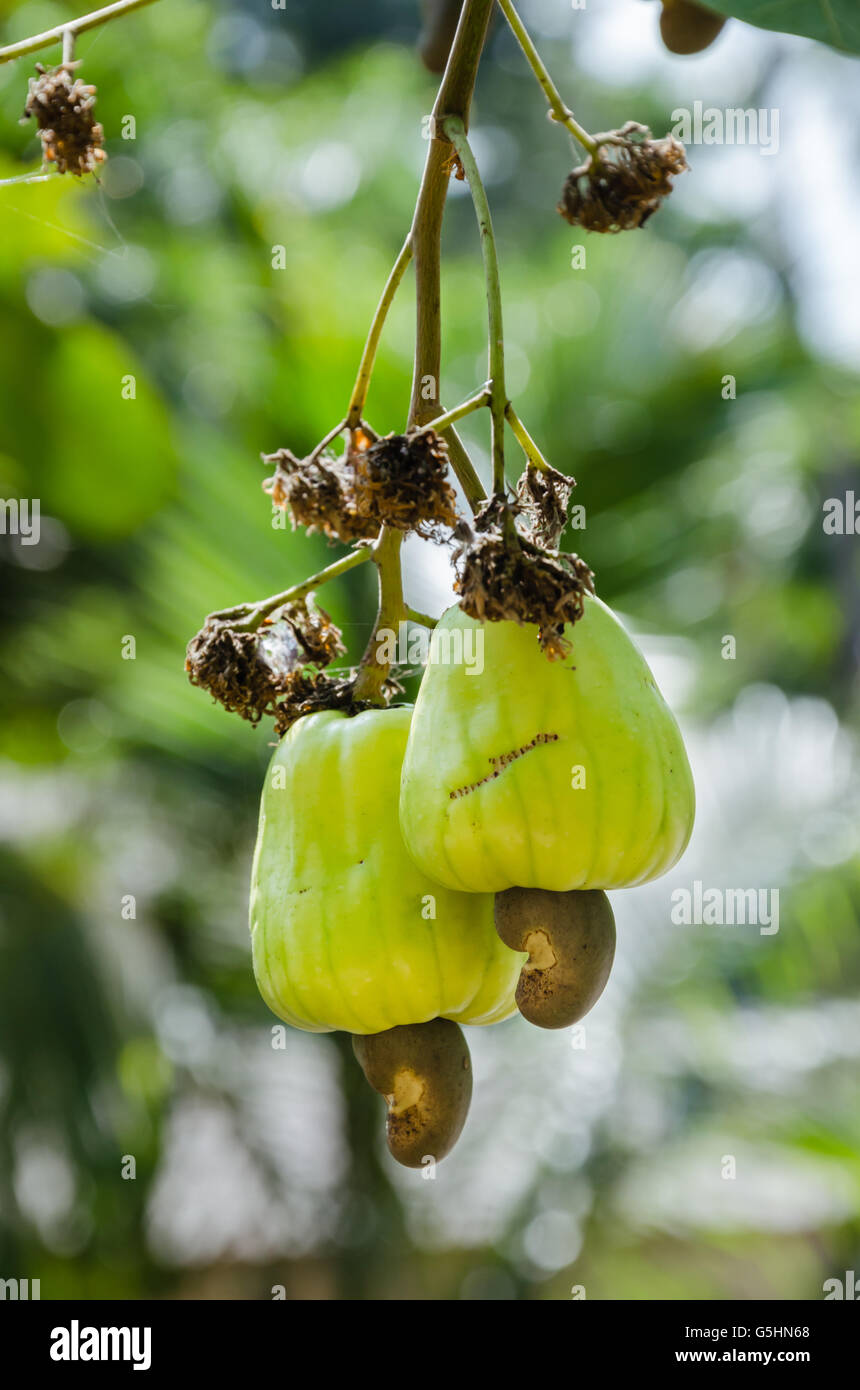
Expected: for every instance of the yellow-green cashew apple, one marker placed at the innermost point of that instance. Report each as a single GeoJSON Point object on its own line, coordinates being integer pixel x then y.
{"type": "Point", "coordinates": [521, 771]}
{"type": "Point", "coordinates": [347, 933]}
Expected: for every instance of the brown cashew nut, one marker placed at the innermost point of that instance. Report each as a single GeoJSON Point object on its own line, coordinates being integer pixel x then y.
{"type": "Point", "coordinates": [424, 1071]}
{"type": "Point", "coordinates": [687, 27]}
{"type": "Point", "coordinates": [570, 940]}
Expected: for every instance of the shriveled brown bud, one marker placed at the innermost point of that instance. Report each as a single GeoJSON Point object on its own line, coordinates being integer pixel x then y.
{"type": "Point", "coordinates": [271, 671]}
{"type": "Point", "coordinates": [71, 137]}
{"type": "Point", "coordinates": [543, 501]}
{"type": "Point", "coordinates": [232, 667]}
{"type": "Point", "coordinates": [401, 480]}
{"type": "Point", "coordinates": [500, 576]}
{"type": "Point", "coordinates": [424, 1071]}
{"type": "Point", "coordinates": [686, 27]}
{"type": "Point", "coordinates": [624, 183]}
{"type": "Point", "coordinates": [319, 494]}
{"type": "Point", "coordinates": [320, 639]}
{"type": "Point", "coordinates": [570, 940]}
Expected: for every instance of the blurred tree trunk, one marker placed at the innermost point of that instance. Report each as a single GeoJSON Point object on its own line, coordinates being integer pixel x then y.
{"type": "Point", "coordinates": [373, 1229]}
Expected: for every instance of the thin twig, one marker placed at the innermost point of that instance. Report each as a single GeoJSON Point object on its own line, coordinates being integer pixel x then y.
{"type": "Point", "coordinates": [454, 129]}
{"type": "Point", "coordinates": [373, 672]}
{"type": "Point", "coordinates": [524, 439]}
{"type": "Point", "coordinates": [453, 99]}
{"type": "Point", "coordinates": [368, 357]}
{"type": "Point", "coordinates": [558, 109]}
{"type": "Point", "coordinates": [29, 178]}
{"type": "Point", "coordinates": [464, 469]}
{"type": "Point", "coordinates": [450, 417]}
{"type": "Point", "coordinates": [71, 28]}
{"type": "Point", "coordinates": [425, 238]}
{"type": "Point", "coordinates": [253, 614]}
{"type": "Point", "coordinates": [326, 440]}
{"type": "Point", "coordinates": [423, 618]}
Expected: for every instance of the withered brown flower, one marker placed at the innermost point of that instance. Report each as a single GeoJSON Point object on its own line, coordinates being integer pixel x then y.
{"type": "Point", "coordinates": [273, 671]}
{"type": "Point", "coordinates": [624, 183]}
{"type": "Point", "coordinates": [542, 503]}
{"type": "Point", "coordinates": [318, 636]}
{"type": "Point", "coordinates": [401, 480]}
{"type": "Point", "coordinates": [319, 493]}
{"type": "Point", "coordinates": [229, 664]}
{"type": "Point", "coordinates": [501, 576]}
{"type": "Point", "coordinates": [63, 106]}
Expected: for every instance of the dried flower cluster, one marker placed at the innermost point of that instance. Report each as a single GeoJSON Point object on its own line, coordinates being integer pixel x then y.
{"type": "Point", "coordinates": [317, 635]}
{"type": "Point", "coordinates": [319, 494]}
{"type": "Point", "coordinates": [542, 504]}
{"type": "Point", "coordinates": [63, 106]}
{"type": "Point", "coordinates": [270, 671]}
{"type": "Point", "coordinates": [400, 480]}
{"type": "Point", "coordinates": [501, 576]}
{"type": "Point", "coordinates": [624, 183]}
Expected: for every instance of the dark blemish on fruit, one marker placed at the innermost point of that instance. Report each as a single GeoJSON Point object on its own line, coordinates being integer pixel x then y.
{"type": "Point", "coordinates": [504, 760]}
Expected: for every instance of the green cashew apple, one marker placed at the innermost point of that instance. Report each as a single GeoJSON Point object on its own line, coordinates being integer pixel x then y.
{"type": "Point", "coordinates": [520, 771]}
{"type": "Point", "coordinates": [347, 933]}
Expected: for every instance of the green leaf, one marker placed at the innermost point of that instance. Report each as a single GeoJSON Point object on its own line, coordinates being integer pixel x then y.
{"type": "Point", "coordinates": [836, 22]}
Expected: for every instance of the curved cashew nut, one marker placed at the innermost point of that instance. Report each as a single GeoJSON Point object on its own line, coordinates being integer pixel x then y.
{"type": "Point", "coordinates": [570, 940]}
{"type": "Point", "coordinates": [424, 1071]}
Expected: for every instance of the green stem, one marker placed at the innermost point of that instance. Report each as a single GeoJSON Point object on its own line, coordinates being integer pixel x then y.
{"type": "Point", "coordinates": [368, 357]}
{"type": "Point", "coordinates": [450, 417]}
{"type": "Point", "coordinates": [326, 440]}
{"type": "Point", "coordinates": [372, 673]}
{"type": "Point", "coordinates": [557, 108]}
{"type": "Point", "coordinates": [72, 28]}
{"type": "Point", "coordinates": [524, 439]}
{"type": "Point", "coordinates": [455, 130]}
{"type": "Point", "coordinates": [453, 99]}
{"type": "Point", "coordinates": [464, 469]}
{"type": "Point", "coordinates": [423, 618]}
{"type": "Point", "coordinates": [425, 238]}
{"type": "Point", "coordinates": [253, 614]}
